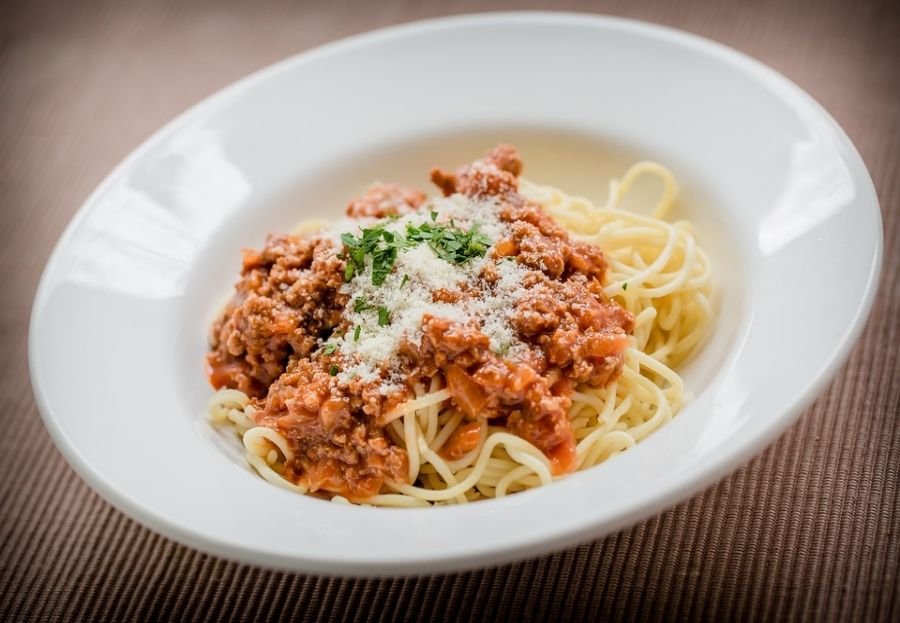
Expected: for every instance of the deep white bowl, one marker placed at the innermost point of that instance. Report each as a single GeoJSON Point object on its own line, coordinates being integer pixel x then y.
{"type": "Point", "coordinates": [781, 198]}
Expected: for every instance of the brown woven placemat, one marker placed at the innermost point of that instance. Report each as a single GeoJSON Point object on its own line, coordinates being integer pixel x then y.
{"type": "Point", "coordinates": [807, 531]}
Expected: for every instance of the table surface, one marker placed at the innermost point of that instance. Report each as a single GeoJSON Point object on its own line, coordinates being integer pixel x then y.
{"type": "Point", "coordinates": [808, 530]}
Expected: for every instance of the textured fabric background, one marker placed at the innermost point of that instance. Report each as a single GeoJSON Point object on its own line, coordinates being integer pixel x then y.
{"type": "Point", "coordinates": [806, 531]}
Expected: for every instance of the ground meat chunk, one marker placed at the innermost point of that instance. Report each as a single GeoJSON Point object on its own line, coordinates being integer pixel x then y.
{"type": "Point", "coordinates": [538, 251]}
{"type": "Point", "coordinates": [484, 384]}
{"type": "Point", "coordinates": [544, 246]}
{"type": "Point", "coordinates": [335, 451]}
{"type": "Point", "coordinates": [382, 200]}
{"type": "Point", "coordinates": [506, 158]}
{"type": "Point", "coordinates": [369, 398]}
{"type": "Point", "coordinates": [579, 331]}
{"type": "Point", "coordinates": [493, 175]}
{"type": "Point", "coordinates": [286, 297]}
{"type": "Point", "coordinates": [445, 341]}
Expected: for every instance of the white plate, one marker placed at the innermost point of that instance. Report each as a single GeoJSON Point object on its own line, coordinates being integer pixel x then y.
{"type": "Point", "coordinates": [118, 332]}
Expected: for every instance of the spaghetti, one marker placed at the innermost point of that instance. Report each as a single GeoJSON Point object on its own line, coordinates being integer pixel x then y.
{"type": "Point", "coordinates": [653, 270]}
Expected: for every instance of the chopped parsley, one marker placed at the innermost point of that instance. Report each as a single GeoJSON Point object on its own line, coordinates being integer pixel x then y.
{"type": "Point", "coordinates": [449, 242]}
{"type": "Point", "coordinates": [330, 348]}
{"type": "Point", "coordinates": [624, 286]}
{"type": "Point", "coordinates": [405, 279]}
{"type": "Point", "coordinates": [376, 242]}
{"type": "Point", "coordinates": [333, 370]}
{"type": "Point", "coordinates": [360, 305]}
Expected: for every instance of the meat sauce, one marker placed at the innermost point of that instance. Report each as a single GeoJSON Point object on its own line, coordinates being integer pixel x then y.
{"type": "Point", "coordinates": [289, 299]}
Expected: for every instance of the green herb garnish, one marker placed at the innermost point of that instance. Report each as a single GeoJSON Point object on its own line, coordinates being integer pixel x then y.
{"type": "Point", "coordinates": [356, 333]}
{"type": "Point", "coordinates": [450, 243]}
{"type": "Point", "coordinates": [330, 348]}
{"type": "Point", "coordinates": [333, 370]}
{"type": "Point", "coordinates": [624, 286]}
{"type": "Point", "coordinates": [384, 316]}
{"type": "Point", "coordinates": [376, 242]}
{"type": "Point", "coordinates": [404, 280]}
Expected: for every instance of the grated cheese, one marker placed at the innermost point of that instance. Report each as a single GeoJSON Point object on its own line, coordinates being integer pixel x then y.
{"type": "Point", "coordinates": [407, 292]}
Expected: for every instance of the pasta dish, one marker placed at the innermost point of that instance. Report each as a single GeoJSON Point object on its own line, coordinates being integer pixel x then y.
{"type": "Point", "coordinates": [465, 346]}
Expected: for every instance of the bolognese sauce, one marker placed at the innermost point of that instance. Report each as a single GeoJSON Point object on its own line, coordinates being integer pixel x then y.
{"type": "Point", "coordinates": [478, 292]}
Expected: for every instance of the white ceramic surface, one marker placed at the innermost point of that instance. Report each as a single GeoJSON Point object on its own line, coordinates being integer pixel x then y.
{"type": "Point", "coordinates": [118, 331]}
